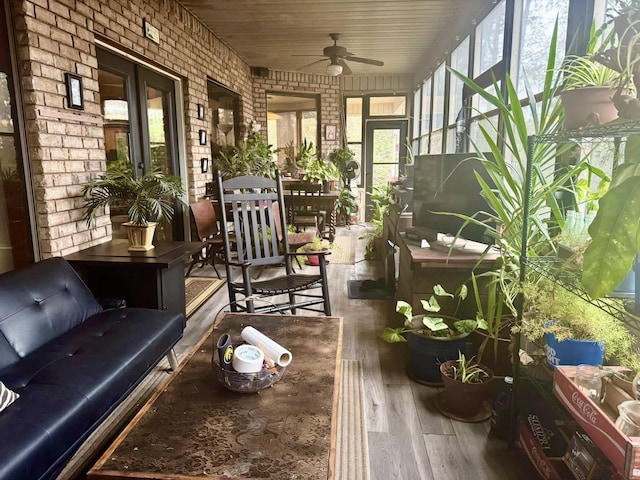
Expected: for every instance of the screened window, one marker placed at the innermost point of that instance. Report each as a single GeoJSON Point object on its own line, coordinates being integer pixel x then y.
{"type": "Point", "coordinates": [537, 21]}
{"type": "Point", "coordinates": [416, 113]}
{"type": "Point", "coordinates": [426, 106]}
{"type": "Point", "coordinates": [460, 63]}
{"type": "Point", "coordinates": [438, 97]}
{"type": "Point", "coordinates": [354, 120]}
{"type": "Point", "coordinates": [490, 40]}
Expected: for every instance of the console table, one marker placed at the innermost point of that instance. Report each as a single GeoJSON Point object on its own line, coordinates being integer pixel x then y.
{"type": "Point", "coordinates": [420, 269]}
{"type": "Point", "coordinates": [152, 279]}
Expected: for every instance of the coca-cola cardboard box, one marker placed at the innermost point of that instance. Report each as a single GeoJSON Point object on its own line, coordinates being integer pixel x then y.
{"type": "Point", "coordinates": [599, 424]}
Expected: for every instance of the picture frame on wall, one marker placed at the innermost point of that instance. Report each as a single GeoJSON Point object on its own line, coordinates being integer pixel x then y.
{"type": "Point", "coordinates": [75, 98]}
{"type": "Point", "coordinates": [330, 132]}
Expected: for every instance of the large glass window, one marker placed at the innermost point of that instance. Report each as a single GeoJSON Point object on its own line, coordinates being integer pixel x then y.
{"type": "Point", "coordinates": [416, 113]}
{"type": "Point", "coordinates": [460, 63]}
{"type": "Point", "coordinates": [537, 20]}
{"type": "Point", "coordinates": [438, 97]}
{"type": "Point", "coordinates": [490, 40]}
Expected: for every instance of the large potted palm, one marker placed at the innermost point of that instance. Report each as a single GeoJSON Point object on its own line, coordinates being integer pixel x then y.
{"type": "Point", "coordinates": [147, 200]}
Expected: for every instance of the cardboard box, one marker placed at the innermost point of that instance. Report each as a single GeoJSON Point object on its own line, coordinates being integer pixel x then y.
{"type": "Point", "coordinates": [598, 421]}
{"type": "Point", "coordinates": [585, 460]}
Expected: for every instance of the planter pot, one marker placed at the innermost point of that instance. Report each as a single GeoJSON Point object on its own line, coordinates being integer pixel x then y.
{"type": "Point", "coordinates": [140, 238]}
{"type": "Point", "coordinates": [501, 364]}
{"type": "Point", "coordinates": [573, 352]}
{"type": "Point", "coordinates": [427, 353]}
{"type": "Point", "coordinates": [464, 399]}
{"type": "Point", "coordinates": [314, 260]}
{"type": "Point", "coordinates": [588, 106]}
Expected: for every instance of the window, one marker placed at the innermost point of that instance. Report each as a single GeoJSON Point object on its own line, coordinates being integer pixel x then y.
{"type": "Point", "coordinates": [489, 37]}
{"type": "Point", "coordinates": [460, 63]}
{"type": "Point", "coordinates": [537, 21]}
{"type": "Point", "coordinates": [291, 121]}
{"type": "Point", "coordinates": [438, 97]}
{"type": "Point", "coordinates": [416, 113]}
{"type": "Point", "coordinates": [387, 106]}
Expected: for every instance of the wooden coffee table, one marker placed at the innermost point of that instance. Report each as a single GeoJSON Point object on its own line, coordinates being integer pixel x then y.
{"type": "Point", "coordinates": [194, 428]}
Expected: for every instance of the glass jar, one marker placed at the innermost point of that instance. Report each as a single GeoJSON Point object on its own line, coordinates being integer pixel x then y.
{"type": "Point", "coordinates": [588, 379]}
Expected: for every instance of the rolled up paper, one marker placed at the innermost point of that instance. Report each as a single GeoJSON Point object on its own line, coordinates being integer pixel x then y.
{"type": "Point", "coordinates": [273, 350]}
{"type": "Point", "coordinates": [225, 351]}
{"type": "Point", "coordinates": [247, 359]}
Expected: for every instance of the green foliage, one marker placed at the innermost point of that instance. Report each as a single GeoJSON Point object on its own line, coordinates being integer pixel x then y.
{"type": "Point", "coordinates": [615, 231]}
{"type": "Point", "coordinates": [554, 310]}
{"type": "Point", "coordinates": [381, 199]}
{"type": "Point", "coordinates": [253, 156]}
{"type": "Point", "coordinates": [346, 204]}
{"type": "Point", "coordinates": [430, 325]}
{"type": "Point", "coordinates": [340, 157]}
{"type": "Point", "coordinates": [586, 72]}
{"type": "Point", "coordinates": [319, 170]}
{"type": "Point", "coordinates": [146, 198]}
{"type": "Point", "coordinates": [467, 370]}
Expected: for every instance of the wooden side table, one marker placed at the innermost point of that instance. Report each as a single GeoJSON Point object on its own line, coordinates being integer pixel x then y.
{"type": "Point", "coordinates": [153, 279]}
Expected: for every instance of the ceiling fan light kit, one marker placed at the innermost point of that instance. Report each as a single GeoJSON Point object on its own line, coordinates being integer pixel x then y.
{"type": "Point", "coordinates": [334, 68]}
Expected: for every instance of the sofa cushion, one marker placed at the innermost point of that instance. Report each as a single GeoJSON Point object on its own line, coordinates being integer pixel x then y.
{"type": "Point", "coordinates": [7, 397]}
{"type": "Point", "coordinates": [68, 386]}
{"type": "Point", "coordinates": [40, 303]}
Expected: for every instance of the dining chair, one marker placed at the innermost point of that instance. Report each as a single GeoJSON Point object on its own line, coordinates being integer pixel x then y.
{"type": "Point", "coordinates": [205, 221]}
{"type": "Point", "coordinates": [256, 205]}
{"type": "Point", "coordinates": [303, 209]}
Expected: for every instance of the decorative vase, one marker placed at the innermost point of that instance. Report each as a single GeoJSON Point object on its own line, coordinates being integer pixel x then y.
{"type": "Point", "coordinates": [464, 399]}
{"type": "Point", "coordinates": [140, 237]}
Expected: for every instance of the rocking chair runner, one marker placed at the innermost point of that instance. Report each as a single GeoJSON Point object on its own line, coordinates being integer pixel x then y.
{"type": "Point", "coordinates": [253, 214]}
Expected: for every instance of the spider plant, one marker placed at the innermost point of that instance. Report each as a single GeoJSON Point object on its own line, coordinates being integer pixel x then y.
{"type": "Point", "coordinates": [467, 370]}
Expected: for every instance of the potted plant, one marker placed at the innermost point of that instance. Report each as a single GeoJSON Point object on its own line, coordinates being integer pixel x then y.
{"type": "Point", "coordinates": [320, 171]}
{"type": "Point", "coordinates": [317, 245]}
{"type": "Point", "coordinates": [253, 156]}
{"type": "Point", "coordinates": [381, 198]}
{"type": "Point", "coordinates": [147, 199]}
{"type": "Point", "coordinates": [346, 205]}
{"type": "Point", "coordinates": [432, 339]}
{"type": "Point", "coordinates": [466, 385]}
{"type": "Point", "coordinates": [341, 158]}
{"type": "Point", "coordinates": [571, 326]}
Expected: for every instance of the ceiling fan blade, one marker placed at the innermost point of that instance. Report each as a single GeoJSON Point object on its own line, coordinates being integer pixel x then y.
{"type": "Point", "coordinates": [345, 68]}
{"type": "Point", "coordinates": [365, 60]}
{"type": "Point", "coordinates": [308, 55]}
{"type": "Point", "coordinates": [313, 63]}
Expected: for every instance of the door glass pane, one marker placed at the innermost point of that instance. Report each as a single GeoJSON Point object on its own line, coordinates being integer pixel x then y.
{"type": "Point", "coordinates": [16, 248]}
{"type": "Point", "coordinates": [386, 155]}
{"type": "Point", "coordinates": [115, 111]}
{"type": "Point", "coordinates": [157, 119]}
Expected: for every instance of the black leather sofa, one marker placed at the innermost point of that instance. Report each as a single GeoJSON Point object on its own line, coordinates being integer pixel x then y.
{"type": "Point", "coordinates": [71, 361]}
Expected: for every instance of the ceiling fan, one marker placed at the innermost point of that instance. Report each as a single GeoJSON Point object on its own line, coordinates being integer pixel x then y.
{"type": "Point", "coordinates": [337, 56]}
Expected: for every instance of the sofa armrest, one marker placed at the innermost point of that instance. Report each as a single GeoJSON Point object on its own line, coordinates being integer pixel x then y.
{"type": "Point", "coordinates": [112, 302]}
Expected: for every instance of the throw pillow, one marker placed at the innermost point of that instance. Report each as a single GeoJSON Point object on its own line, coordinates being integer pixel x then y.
{"type": "Point", "coordinates": [7, 397]}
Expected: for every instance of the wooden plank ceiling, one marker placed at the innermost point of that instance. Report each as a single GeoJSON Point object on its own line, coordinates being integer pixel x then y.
{"type": "Point", "coordinates": [271, 33]}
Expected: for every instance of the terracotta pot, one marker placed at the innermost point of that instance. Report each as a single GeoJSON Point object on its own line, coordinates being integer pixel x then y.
{"type": "Point", "coordinates": [588, 106]}
{"type": "Point", "coordinates": [464, 399]}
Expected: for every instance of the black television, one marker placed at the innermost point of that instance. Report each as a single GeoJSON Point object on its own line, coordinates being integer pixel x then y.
{"type": "Point", "coordinates": [447, 183]}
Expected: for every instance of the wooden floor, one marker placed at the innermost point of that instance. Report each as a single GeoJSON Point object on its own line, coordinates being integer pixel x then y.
{"type": "Point", "coordinates": [408, 438]}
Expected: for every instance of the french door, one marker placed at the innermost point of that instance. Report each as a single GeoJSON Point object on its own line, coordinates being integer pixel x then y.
{"type": "Point", "coordinates": [385, 154]}
{"type": "Point", "coordinates": [140, 129]}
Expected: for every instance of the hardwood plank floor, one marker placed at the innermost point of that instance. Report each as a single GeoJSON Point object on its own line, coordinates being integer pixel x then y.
{"type": "Point", "coordinates": [408, 438]}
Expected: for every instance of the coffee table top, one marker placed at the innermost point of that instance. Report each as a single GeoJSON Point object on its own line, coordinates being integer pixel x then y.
{"type": "Point", "coordinates": [193, 427]}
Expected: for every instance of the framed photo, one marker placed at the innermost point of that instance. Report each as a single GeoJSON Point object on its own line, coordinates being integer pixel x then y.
{"type": "Point", "coordinates": [204, 165]}
{"type": "Point", "coordinates": [74, 91]}
{"type": "Point", "coordinates": [202, 134]}
{"type": "Point", "coordinates": [330, 132]}
{"type": "Point", "coordinates": [200, 111]}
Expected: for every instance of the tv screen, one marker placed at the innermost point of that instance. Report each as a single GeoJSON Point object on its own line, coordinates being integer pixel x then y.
{"type": "Point", "coordinates": [447, 183]}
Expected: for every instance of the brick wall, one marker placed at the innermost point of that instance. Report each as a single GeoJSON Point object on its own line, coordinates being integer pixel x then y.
{"type": "Point", "coordinates": [295, 82]}
{"type": "Point", "coordinates": [66, 147]}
